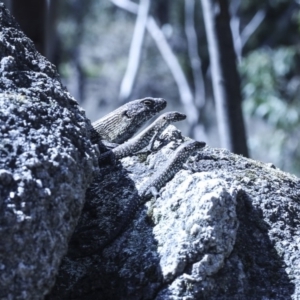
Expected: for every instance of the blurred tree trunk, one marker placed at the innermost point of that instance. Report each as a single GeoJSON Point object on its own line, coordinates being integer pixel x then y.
{"type": "Point", "coordinates": [31, 15]}
{"type": "Point", "coordinates": [198, 132]}
{"type": "Point", "coordinates": [225, 78]}
{"type": "Point", "coordinates": [192, 44]}
{"type": "Point", "coordinates": [51, 45]}
{"type": "Point", "coordinates": [37, 19]}
{"type": "Point", "coordinates": [77, 83]}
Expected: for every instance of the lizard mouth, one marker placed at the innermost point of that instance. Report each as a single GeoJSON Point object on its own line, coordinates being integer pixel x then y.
{"type": "Point", "coordinates": [162, 103]}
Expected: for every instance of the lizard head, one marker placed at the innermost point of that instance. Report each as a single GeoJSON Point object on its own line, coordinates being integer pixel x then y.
{"type": "Point", "coordinates": [194, 145]}
{"type": "Point", "coordinates": [122, 123]}
{"type": "Point", "coordinates": [173, 116]}
{"type": "Point", "coordinates": [145, 108]}
{"type": "Point", "coordinates": [189, 148]}
{"type": "Point", "coordinates": [135, 114]}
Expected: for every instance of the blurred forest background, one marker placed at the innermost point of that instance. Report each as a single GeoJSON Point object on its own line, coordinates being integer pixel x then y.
{"type": "Point", "coordinates": [223, 63]}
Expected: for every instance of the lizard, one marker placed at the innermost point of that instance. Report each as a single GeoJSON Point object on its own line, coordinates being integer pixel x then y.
{"type": "Point", "coordinates": [155, 182]}
{"type": "Point", "coordinates": [122, 123]}
{"type": "Point", "coordinates": [145, 138]}
{"type": "Point", "coordinates": [169, 169]}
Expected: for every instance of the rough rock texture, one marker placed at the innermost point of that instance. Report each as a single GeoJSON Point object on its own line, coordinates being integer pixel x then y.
{"type": "Point", "coordinates": [46, 164]}
{"type": "Point", "coordinates": [225, 227]}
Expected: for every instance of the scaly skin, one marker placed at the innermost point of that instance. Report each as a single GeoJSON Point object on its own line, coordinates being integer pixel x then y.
{"type": "Point", "coordinates": [145, 138]}
{"type": "Point", "coordinates": [122, 123]}
{"type": "Point", "coordinates": [170, 168]}
{"type": "Point", "coordinates": [157, 181]}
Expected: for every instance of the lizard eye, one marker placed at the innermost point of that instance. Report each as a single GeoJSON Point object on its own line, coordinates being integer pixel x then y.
{"type": "Point", "coordinates": [148, 103]}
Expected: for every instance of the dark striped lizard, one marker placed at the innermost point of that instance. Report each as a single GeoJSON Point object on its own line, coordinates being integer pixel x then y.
{"type": "Point", "coordinates": [122, 123]}
{"type": "Point", "coordinates": [155, 183]}
{"type": "Point", "coordinates": [145, 138]}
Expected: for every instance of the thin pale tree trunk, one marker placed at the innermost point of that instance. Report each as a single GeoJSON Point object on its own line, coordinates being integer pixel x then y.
{"type": "Point", "coordinates": [135, 51]}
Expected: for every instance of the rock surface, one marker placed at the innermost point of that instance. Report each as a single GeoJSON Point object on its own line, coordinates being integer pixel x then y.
{"type": "Point", "coordinates": [46, 164]}
{"type": "Point", "coordinates": [226, 227]}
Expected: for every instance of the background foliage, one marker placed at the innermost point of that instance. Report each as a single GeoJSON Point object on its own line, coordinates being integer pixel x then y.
{"type": "Point", "coordinates": [93, 42]}
{"type": "Point", "coordinates": [99, 33]}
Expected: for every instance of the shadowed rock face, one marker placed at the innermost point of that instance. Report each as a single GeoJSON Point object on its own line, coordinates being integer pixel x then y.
{"type": "Point", "coordinates": [225, 227]}
{"type": "Point", "coordinates": [46, 164]}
